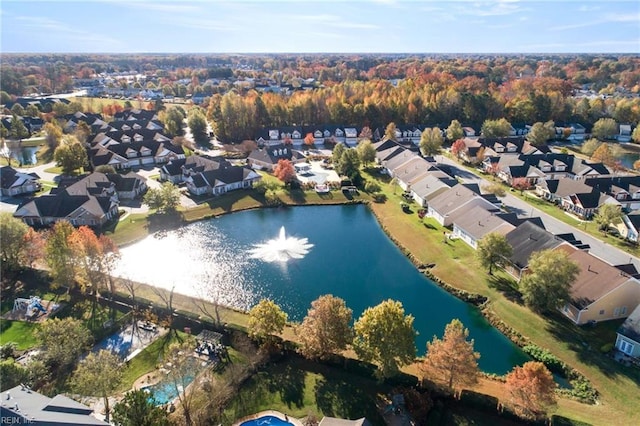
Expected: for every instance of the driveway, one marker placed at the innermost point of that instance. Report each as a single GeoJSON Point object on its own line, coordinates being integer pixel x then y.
{"type": "Point", "coordinates": [599, 248]}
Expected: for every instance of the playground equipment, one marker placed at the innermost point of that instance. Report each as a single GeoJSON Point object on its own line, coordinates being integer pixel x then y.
{"type": "Point", "coordinates": [32, 306]}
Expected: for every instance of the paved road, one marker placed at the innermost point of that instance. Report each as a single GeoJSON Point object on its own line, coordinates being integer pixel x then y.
{"type": "Point", "coordinates": [599, 248]}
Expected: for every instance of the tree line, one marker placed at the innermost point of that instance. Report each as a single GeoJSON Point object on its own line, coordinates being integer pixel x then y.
{"type": "Point", "coordinates": [384, 336]}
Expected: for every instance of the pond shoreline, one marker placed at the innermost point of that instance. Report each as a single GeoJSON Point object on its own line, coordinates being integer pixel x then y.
{"type": "Point", "coordinates": [480, 301]}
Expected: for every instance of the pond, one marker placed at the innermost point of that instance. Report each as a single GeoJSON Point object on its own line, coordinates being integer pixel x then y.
{"type": "Point", "coordinates": [23, 155]}
{"type": "Point", "coordinates": [628, 158]}
{"type": "Point", "coordinates": [339, 250]}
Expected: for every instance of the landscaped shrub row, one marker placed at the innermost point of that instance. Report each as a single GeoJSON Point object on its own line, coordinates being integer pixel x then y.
{"type": "Point", "coordinates": [547, 358]}
{"type": "Point", "coordinates": [581, 388]}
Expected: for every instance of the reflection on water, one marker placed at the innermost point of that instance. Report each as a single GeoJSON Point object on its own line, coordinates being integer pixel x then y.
{"type": "Point", "coordinates": [351, 258]}
{"type": "Point", "coordinates": [196, 261]}
{"type": "Point", "coordinates": [23, 155]}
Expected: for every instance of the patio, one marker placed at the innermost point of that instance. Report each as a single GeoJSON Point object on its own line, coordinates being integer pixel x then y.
{"type": "Point", "coordinates": [314, 172]}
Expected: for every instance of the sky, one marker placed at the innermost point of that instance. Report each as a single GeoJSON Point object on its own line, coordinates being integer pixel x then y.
{"type": "Point", "coordinates": [327, 26]}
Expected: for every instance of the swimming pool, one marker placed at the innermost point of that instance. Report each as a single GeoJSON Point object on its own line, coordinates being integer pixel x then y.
{"type": "Point", "coordinates": [266, 421]}
{"type": "Point", "coordinates": [166, 390]}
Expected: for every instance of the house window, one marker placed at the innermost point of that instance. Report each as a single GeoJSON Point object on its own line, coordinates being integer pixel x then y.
{"type": "Point", "coordinates": [601, 311]}
{"type": "Point", "coordinates": [619, 311]}
{"type": "Point", "coordinates": [626, 347]}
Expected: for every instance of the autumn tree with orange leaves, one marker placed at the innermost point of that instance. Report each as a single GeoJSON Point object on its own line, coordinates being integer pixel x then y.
{"type": "Point", "coordinates": [95, 258]}
{"type": "Point", "coordinates": [452, 360]}
{"type": "Point", "coordinates": [531, 389]}
{"type": "Point", "coordinates": [284, 171]}
{"type": "Point", "coordinates": [326, 329]}
{"type": "Point", "coordinates": [309, 140]}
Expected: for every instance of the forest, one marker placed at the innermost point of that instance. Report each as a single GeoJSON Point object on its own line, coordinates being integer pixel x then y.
{"type": "Point", "coordinates": [358, 90]}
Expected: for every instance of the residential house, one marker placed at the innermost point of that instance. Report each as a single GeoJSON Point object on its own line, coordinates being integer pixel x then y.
{"type": "Point", "coordinates": [554, 190]}
{"type": "Point", "coordinates": [574, 132]}
{"type": "Point", "coordinates": [134, 154]}
{"type": "Point", "coordinates": [79, 210]}
{"type": "Point", "coordinates": [209, 176]}
{"type": "Point", "coordinates": [527, 238]}
{"type": "Point", "coordinates": [625, 133]}
{"type": "Point", "coordinates": [624, 189]}
{"type": "Point", "coordinates": [135, 114]}
{"type": "Point", "coordinates": [629, 227]}
{"type": "Point", "coordinates": [176, 170]}
{"type": "Point", "coordinates": [411, 134]}
{"type": "Point", "coordinates": [601, 291]}
{"type": "Point", "coordinates": [15, 183]}
{"type": "Point", "coordinates": [221, 180]}
{"type": "Point", "coordinates": [267, 158]}
{"type": "Point", "coordinates": [21, 405]}
{"type": "Point", "coordinates": [410, 171]}
{"type": "Point", "coordinates": [428, 186]}
{"type": "Point", "coordinates": [350, 136]}
{"type": "Point", "coordinates": [90, 200]}
{"type": "Point", "coordinates": [473, 151]}
{"type": "Point", "coordinates": [628, 335]}
{"type": "Point", "coordinates": [477, 222]}
{"type": "Point", "coordinates": [394, 163]}
{"type": "Point", "coordinates": [457, 200]}
{"type": "Point", "coordinates": [539, 166]}
{"type": "Point", "coordinates": [586, 205]}
{"type": "Point", "coordinates": [469, 132]}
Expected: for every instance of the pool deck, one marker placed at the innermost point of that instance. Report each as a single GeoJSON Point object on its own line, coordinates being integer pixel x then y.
{"type": "Point", "coordinates": [273, 413]}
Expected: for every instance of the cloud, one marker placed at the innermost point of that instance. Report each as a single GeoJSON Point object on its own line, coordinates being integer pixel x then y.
{"type": "Point", "coordinates": [579, 46]}
{"type": "Point", "coordinates": [163, 7]}
{"type": "Point", "coordinates": [607, 19]}
{"type": "Point", "coordinates": [48, 27]}
{"type": "Point", "coordinates": [327, 20]}
{"type": "Point", "coordinates": [590, 8]}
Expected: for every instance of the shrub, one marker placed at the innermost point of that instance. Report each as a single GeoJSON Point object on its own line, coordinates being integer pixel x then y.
{"type": "Point", "coordinates": [606, 348]}
{"type": "Point", "coordinates": [547, 358]}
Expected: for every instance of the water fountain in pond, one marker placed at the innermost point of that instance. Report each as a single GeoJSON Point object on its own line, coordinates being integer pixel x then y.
{"type": "Point", "coordinates": [281, 249]}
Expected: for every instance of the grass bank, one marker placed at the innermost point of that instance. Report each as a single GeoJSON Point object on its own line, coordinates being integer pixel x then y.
{"type": "Point", "coordinates": [455, 263]}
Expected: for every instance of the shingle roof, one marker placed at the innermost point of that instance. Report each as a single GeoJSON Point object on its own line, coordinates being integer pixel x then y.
{"type": "Point", "coordinates": [31, 407]}
{"type": "Point", "coordinates": [567, 186]}
{"type": "Point", "coordinates": [10, 177]}
{"type": "Point", "coordinates": [528, 238]}
{"type": "Point", "coordinates": [479, 221]}
{"type": "Point", "coordinates": [595, 279]}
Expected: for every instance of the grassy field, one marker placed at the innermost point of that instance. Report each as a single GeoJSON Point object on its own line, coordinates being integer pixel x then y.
{"type": "Point", "coordinates": [457, 265]}
{"type": "Point", "coordinates": [19, 332]}
{"type": "Point", "coordinates": [300, 388]}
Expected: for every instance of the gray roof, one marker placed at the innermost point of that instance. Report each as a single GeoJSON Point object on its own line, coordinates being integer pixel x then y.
{"type": "Point", "coordinates": [528, 238]}
{"type": "Point", "coordinates": [478, 222]}
{"type": "Point", "coordinates": [416, 167]}
{"type": "Point", "coordinates": [400, 159]}
{"type": "Point", "coordinates": [455, 198]}
{"type": "Point", "coordinates": [431, 185]}
{"type": "Point", "coordinates": [567, 186]}
{"type": "Point", "coordinates": [33, 408]}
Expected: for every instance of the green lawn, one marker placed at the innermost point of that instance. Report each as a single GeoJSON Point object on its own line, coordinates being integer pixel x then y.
{"type": "Point", "coordinates": [19, 332]}
{"type": "Point", "coordinates": [300, 388]}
